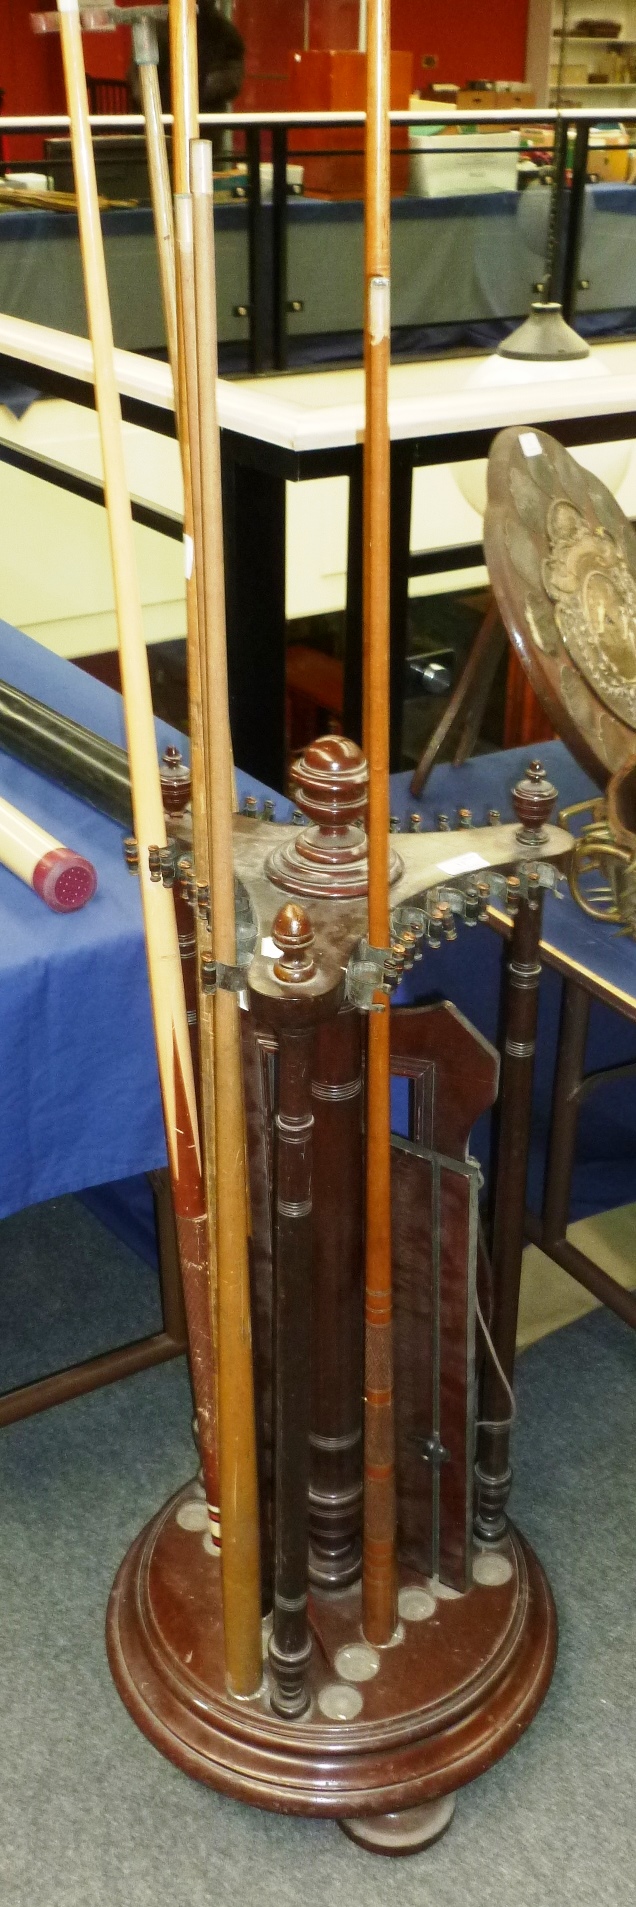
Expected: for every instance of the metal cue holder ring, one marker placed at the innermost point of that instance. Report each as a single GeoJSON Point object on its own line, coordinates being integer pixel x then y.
{"type": "Point", "coordinates": [61, 877]}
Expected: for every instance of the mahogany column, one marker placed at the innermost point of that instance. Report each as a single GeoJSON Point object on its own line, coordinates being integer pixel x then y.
{"type": "Point", "coordinates": [335, 1491]}
{"type": "Point", "coordinates": [533, 800]}
{"type": "Point", "coordinates": [291, 997]}
{"type": "Point", "coordinates": [290, 1642]}
{"type": "Point", "coordinates": [328, 859]}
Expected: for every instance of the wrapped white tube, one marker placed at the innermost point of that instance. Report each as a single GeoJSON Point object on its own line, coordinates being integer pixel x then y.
{"type": "Point", "coordinates": [62, 878]}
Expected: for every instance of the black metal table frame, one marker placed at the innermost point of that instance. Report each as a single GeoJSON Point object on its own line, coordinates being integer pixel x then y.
{"type": "Point", "coordinates": [254, 477]}
{"type": "Point", "coordinates": [269, 302]}
{"type": "Point", "coordinates": [255, 473]}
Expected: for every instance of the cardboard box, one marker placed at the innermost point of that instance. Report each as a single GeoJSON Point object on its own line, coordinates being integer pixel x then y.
{"type": "Point", "coordinates": [495, 99]}
{"type": "Point", "coordinates": [449, 165]}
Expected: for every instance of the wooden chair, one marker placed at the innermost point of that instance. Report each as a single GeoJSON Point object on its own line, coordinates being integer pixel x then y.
{"type": "Point", "coordinates": [108, 95]}
{"type": "Point", "coordinates": [525, 720]}
{"type": "Point", "coordinates": [92, 1373]}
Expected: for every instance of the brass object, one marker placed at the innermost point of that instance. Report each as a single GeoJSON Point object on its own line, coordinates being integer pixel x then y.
{"type": "Point", "coordinates": [561, 556]}
{"type": "Point", "coordinates": [593, 590]}
{"type": "Point", "coordinates": [602, 871]}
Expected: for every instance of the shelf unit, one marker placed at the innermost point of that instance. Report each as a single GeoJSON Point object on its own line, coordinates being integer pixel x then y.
{"type": "Point", "coordinates": [543, 45]}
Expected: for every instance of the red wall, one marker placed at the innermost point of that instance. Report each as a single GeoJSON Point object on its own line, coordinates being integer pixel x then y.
{"type": "Point", "coordinates": [31, 66]}
{"type": "Point", "coordinates": [471, 41]}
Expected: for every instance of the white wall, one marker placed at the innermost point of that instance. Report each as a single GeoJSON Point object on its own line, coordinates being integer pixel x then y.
{"type": "Point", "coordinates": [55, 578]}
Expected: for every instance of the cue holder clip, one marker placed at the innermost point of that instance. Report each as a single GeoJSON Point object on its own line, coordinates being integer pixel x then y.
{"type": "Point", "coordinates": [230, 976]}
{"type": "Point", "coordinates": [196, 894]}
{"type": "Point", "coordinates": [253, 812]}
{"type": "Point", "coordinates": [414, 927]}
{"type": "Point", "coordinates": [216, 973]}
{"type": "Point", "coordinates": [374, 970]}
{"type": "Point", "coordinates": [366, 975]}
{"type": "Point", "coordinates": [162, 863]}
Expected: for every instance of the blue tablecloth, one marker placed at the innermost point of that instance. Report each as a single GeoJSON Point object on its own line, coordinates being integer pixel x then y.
{"type": "Point", "coordinates": [80, 1099]}
{"type": "Point", "coordinates": [468, 972]}
{"type": "Point", "coordinates": [486, 782]}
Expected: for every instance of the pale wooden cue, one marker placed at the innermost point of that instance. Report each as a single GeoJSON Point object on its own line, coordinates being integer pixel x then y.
{"type": "Point", "coordinates": [240, 1559]}
{"type": "Point", "coordinates": [146, 56]}
{"type": "Point", "coordinates": [184, 90]}
{"type": "Point", "coordinates": [166, 982]}
{"type": "Point", "coordinates": [188, 373]}
{"type": "Point", "coordinates": [379, 1572]}
{"type": "Point", "coordinates": [184, 82]}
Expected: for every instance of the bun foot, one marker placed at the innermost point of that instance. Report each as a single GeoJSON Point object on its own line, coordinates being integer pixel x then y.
{"type": "Point", "coordinates": [405, 1833]}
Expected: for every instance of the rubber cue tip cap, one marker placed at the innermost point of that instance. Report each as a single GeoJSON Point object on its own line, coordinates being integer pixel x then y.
{"type": "Point", "coordinates": [65, 880]}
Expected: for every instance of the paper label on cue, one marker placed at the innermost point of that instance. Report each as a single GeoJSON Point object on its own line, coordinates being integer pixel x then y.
{"type": "Point", "coordinates": [188, 555]}
{"type": "Point", "coordinates": [463, 864]}
{"type": "Point", "coordinates": [530, 443]}
{"type": "Point", "coordinates": [269, 950]}
{"type": "Point", "coordinates": [379, 309]}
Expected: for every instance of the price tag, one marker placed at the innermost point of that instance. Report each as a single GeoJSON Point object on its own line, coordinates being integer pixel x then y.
{"type": "Point", "coordinates": [463, 864]}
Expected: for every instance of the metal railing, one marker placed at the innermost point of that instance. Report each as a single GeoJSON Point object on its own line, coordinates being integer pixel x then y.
{"type": "Point", "coordinates": [268, 307]}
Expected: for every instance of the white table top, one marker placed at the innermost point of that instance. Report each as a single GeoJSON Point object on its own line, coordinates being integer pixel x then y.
{"type": "Point", "coordinates": [324, 410]}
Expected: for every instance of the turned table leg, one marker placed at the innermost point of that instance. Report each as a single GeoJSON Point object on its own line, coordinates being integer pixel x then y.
{"type": "Point", "coordinates": [493, 1474]}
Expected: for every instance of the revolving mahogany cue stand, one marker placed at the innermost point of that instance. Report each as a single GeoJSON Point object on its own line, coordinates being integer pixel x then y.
{"type": "Point", "coordinates": [377, 1738]}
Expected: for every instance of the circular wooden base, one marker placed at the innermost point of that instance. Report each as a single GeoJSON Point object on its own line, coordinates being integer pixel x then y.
{"type": "Point", "coordinates": [451, 1694]}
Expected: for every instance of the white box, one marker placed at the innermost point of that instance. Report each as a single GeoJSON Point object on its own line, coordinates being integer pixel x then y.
{"type": "Point", "coordinates": [443, 165]}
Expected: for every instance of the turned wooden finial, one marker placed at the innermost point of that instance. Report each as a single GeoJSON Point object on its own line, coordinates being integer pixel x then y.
{"type": "Point", "coordinates": [329, 783]}
{"type": "Point", "coordinates": [293, 934]}
{"type": "Point", "coordinates": [533, 799]}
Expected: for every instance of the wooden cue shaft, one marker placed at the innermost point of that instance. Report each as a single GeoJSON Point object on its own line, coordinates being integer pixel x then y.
{"type": "Point", "coordinates": [190, 386]}
{"type": "Point", "coordinates": [146, 56]}
{"type": "Point", "coordinates": [240, 1559]}
{"type": "Point", "coordinates": [379, 1572]}
{"type": "Point", "coordinates": [184, 89]}
{"type": "Point", "coordinates": [184, 83]}
{"type": "Point", "coordinates": [164, 966]}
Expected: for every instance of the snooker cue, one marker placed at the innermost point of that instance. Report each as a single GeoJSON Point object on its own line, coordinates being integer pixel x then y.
{"type": "Point", "coordinates": [240, 1556]}
{"type": "Point", "coordinates": [162, 947]}
{"type": "Point", "coordinates": [379, 1568]}
{"type": "Point", "coordinates": [60, 875]}
{"type": "Point", "coordinates": [184, 82]}
{"type": "Point", "coordinates": [146, 54]}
